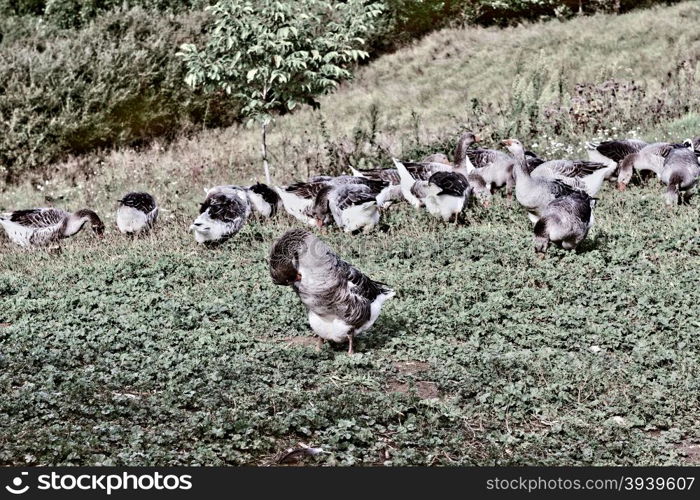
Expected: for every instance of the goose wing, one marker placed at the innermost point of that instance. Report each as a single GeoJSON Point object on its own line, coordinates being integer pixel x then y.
{"type": "Point", "coordinates": [357, 294]}
{"type": "Point", "coordinates": [481, 157]}
{"type": "Point", "coordinates": [559, 188]}
{"type": "Point", "coordinates": [450, 183]}
{"type": "Point", "coordinates": [143, 202]}
{"type": "Point", "coordinates": [351, 195]}
{"type": "Point", "coordinates": [617, 150]}
{"type": "Point", "coordinates": [38, 218]}
{"type": "Point", "coordinates": [306, 190]}
{"type": "Point", "coordinates": [569, 168]}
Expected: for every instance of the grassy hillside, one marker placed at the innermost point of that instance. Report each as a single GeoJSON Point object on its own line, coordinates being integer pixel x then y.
{"type": "Point", "coordinates": [155, 351]}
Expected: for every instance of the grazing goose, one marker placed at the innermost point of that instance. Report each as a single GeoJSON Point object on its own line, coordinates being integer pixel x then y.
{"type": "Point", "coordinates": [298, 199]}
{"type": "Point", "coordinates": [533, 193]}
{"type": "Point", "coordinates": [580, 174]}
{"type": "Point", "coordinates": [351, 206]}
{"type": "Point", "coordinates": [137, 213]}
{"type": "Point", "coordinates": [341, 301]}
{"type": "Point", "coordinates": [42, 226]}
{"type": "Point", "coordinates": [495, 167]}
{"type": "Point", "coordinates": [223, 213]}
{"type": "Point", "coordinates": [650, 157]}
{"type": "Point", "coordinates": [413, 190]}
{"type": "Point", "coordinates": [680, 173]}
{"type": "Point", "coordinates": [611, 153]}
{"type": "Point", "coordinates": [565, 222]}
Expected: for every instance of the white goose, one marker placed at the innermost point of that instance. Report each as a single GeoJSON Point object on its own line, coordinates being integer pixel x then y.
{"type": "Point", "coordinates": [340, 300]}
{"type": "Point", "coordinates": [41, 226]}
{"type": "Point", "coordinates": [222, 215]}
{"type": "Point", "coordinates": [137, 213]}
{"type": "Point", "coordinates": [263, 200]}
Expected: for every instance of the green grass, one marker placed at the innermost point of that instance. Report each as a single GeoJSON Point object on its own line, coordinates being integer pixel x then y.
{"type": "Point", "coordinates": [159, 352]}
{"type": "Point", "coordinates": [156, 351]}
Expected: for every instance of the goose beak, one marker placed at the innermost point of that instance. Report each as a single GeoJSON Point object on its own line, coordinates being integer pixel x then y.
{"type": "Point", "coordinates": [486, 203]}
{"type": "Point", "coordinates": [319, 223]}
{"type": "Point", "coordinates": [298, 277]}
{"type": "Point", "coordinates": [478, 138]}
{"type": "Point", "coordinates": [621, 186]}
{"type": "Point", "coordinates": [506, 142]}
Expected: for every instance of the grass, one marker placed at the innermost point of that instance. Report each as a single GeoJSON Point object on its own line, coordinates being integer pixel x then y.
{"type": "Point", "coordinates": [156, 351]}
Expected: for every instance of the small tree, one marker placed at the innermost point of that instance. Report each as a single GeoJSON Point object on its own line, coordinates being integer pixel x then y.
{"type": "Point", "coordinates": [274, 55]}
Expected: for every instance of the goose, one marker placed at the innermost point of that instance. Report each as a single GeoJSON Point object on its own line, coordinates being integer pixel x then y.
{"type": "Point", "coordinates": [533, 193]}
{"type": "Point", "coordinates": [137, 213]}
{"type": "Point", "coordinates": [693, 144]}
{"type": "Point", "coordinates": [580, 174]}
{"type": "Point", "coordinates": [495, 167]}
{"type": "Point", "coordinates": [298, 198]}
{"type": "Point", "coordinates": [444, 194]}
{"type": "Point", "coordinates": [650, 157]}
{"type": "Point", "coordinates": [351, 206]}
{"type": "Point", "coordinates": [223, 213]}
{"type": "Point", "coordinates": [263, 200]}
{"type": "Point", "coordinates": [611, 153]}
{"type": "Point", "coordinates": [680, 173]}
{"type": "Point", "coordinates": [565, 222]}
{"type": "Point", "coordinates": [447, 193]}
{"type": "Point", "coordinates": [422, 170]}
{"type": "Point", "coordinates": [42, 226]}
{"type": "Point", "coordinates": [341, 301]}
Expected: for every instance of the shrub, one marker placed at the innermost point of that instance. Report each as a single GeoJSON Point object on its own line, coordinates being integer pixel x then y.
{"type": "Point", "coordinates": [115, 82]}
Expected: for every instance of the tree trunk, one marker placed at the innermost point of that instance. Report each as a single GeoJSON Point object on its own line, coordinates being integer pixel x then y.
{"type": "Point", "coordinates": [266, 166]}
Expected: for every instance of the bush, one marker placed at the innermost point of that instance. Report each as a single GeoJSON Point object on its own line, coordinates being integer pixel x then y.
{"type": "Point", "coordinates": [115, 82]}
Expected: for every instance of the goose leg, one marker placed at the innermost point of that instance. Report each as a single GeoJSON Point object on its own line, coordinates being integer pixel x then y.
{"type": "Point", "coordinates": [351, 350]}
{"type": "Point", "coordinates": [319, 344]}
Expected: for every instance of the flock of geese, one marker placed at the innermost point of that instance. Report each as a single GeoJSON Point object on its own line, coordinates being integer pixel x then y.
{"type": "Point", "coordinates": [558, 195]}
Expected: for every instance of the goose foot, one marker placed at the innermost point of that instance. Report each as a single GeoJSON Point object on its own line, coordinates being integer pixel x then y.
{"type": "Point", "coordinates": [541, 255]}
{"type": "Point", "coordinates": [319, 344]}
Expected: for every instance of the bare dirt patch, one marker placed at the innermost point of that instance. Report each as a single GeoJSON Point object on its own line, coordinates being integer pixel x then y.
{"type": "Point", "coordinates": [5, 325]}
{"type": "Point", "coordinates": [411, 367]}
{"type": "Point", "coordinates": [690, 450]}
{"type": "Point", "coordinates": [424, 388]}
{"type": "Point", "coordinates": [302, 341]}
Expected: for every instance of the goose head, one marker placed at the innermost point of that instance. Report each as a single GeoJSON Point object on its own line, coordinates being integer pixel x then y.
{"type": "Point", "coordinates": [514, 146]}
{"type": "Point", "coordinates": [465, 140]}
{"type": "Point", "coordinates": [625, 171]}
{"type": "Point", "coordinates": [284, 257]}
{"type": "Point", "coordinates": [85, 215]}
{"type": "Point", "coordinates": [321, 209]}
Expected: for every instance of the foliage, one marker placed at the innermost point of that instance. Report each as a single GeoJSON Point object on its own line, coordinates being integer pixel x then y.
{"type": "Point", "coordinates": [274, 55]}
{"type": "Point", "coordinates": [112, 83]}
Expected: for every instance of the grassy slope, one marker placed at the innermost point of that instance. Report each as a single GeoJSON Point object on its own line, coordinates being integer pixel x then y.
{"type": "Point", "coordinates": [158, 352]}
